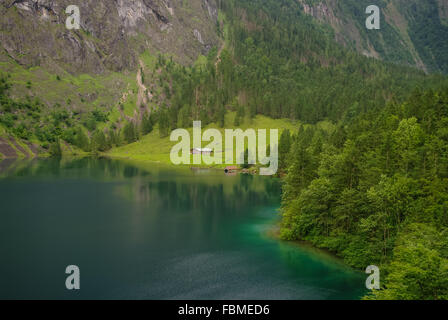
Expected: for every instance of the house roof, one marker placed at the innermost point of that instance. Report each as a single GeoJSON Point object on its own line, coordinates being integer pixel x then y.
{"type": "Point", "coordinates": [203, 149]}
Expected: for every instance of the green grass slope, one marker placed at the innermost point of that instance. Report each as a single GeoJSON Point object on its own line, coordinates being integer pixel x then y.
{"type": "Point", "coordinates": [153, 148]}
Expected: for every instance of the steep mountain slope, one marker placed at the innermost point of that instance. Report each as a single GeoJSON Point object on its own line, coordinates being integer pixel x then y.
{"type": "Point", "coordinates": [412, 32]}
{"type": "Point", "coordinates": [112, 33]}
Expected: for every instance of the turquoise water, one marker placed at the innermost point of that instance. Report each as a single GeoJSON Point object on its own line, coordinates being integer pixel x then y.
{"type": "Point", "coordinates": [152, 233]}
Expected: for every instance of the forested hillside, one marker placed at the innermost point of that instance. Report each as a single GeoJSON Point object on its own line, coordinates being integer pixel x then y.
{"type": "Point", "coordinates": [277, 61]}
{"type": "Point", "coordinates": [375, 192]}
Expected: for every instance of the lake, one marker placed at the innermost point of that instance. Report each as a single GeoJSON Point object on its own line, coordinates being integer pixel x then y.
{"type": "Point", "coordinates": [147, 231]}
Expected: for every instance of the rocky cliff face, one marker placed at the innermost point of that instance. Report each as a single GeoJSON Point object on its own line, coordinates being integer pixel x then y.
{"type": "Point", "coordinates": [401, 37]}
{"type": "Point", "coordinates": [112, 34]}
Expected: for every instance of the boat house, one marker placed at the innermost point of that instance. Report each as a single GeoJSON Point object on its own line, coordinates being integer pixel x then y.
{"type": "Point", "coordinates": [231, 169]}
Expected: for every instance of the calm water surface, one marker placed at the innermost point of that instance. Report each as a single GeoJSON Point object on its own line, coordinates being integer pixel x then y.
{"type": "Point", "coordinates": [152, 232]}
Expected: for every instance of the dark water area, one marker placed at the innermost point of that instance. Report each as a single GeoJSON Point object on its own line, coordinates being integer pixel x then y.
{"type": "Point", "coordinates": [152, 232]}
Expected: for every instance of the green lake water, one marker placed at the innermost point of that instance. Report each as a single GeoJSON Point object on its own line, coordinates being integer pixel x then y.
{"type": "Point", "coordinates": [153, 233]}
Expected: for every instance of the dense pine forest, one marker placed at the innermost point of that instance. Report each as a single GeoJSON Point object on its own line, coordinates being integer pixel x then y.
{"type": "Point", "coordinates": [375, 192]}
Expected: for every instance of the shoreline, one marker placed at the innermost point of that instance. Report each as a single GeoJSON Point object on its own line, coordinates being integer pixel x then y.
{"type": "Point", "coordinates": [217, 167]}
{"type": "Point", "coordinates": [274, 233]}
